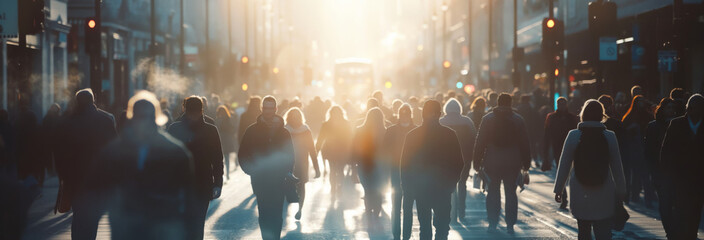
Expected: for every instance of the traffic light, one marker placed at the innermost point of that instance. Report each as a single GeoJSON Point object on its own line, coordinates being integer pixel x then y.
{"type": "Point", "coordinates": [602, 18]}
{"type": "Point", "coordinates": [553, 37]}
{"type": "Point", "coordinates": [92, 36]}
{"type": "Point", "coordinates": [31, 18]}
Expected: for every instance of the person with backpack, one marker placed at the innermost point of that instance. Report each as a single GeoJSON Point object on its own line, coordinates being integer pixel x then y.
{"type": "Point", "coordinates": [502, 150]}
{"type": "Point", "coordinates": [591, 159]}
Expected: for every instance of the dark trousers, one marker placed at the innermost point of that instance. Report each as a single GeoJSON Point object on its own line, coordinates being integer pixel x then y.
{"type": "Point", "coordinates": [86, 215]}
{"type": "Point", "coordinates": [197, 219]}
{"type": "Point", "coordinates": [493, 198]}
{"type": "Point", "coordinates": [602, 229]}
{"type": "Point", "coordinates": [408, 201]}
{"type": "Point", "coordinates": [666, 196]}
{"type": "Point", "coordinates": [688, 210]}
{"type": "Point", "coordinates": [270, 204]}
{"type": "Point", "coordinates": [397, 199]}
{"type": "Point", "coordinates": [434, 207]}
{"type": "Point", "coordinates": [462, 196]}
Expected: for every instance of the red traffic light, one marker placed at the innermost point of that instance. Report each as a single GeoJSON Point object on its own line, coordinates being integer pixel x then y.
{"type": "Point", "coordinates": [550, 23]}
{"type": "Point", "coordinates": [91, 23]}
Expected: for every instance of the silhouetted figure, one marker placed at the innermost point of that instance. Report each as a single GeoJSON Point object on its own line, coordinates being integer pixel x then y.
{"type": "Point", "coordinates": [415, 107]}
{"type": "Point", "coordinates": [466, 134]}
{"type": "Point", "coordinates": [388, 113]}
{"type": "Point", "coordinates": [304, 148]}
{"type": "Point", "coordinates": [662, 176]}
{"type": "Point", "coordinates": [394, 138]}
{"type": "Point", "coordinates": [478, 110]}
{"type": "Point", "coordinates": [203, 141]}
{"type": "Point", "coordinates": [315, 115]}
{"type": "Point", "coordinates": [591, 161]}
{"type": "Point", "coordinates": [431, 165]}
{"type": "Point", "coordinates": [48, 136]}
{"type": "Point", "coordinates": [366, 153]}
{"type": "Point", "coordinates": [266, 154]}
{"type": "Point", "coordinates": [502, 151]}
{"type": "Point", "coordinates": [533, 122]}
{"type": "Point", "coordinates": [206, 118]}
{"type": "Point", "coordinates": [27, 143]}
{"type": "Point", "coordinates": [682, 154]}
{"type": "Point", "coordinates": [227, 130]}
{"type": "Point", "coordinates": [82, 135]}
{"type": "Point", "coordinates": [557, 125]}
{"type": "Point", "coordinates": [635, 122]}
{"type": "Point", "coordinates": [6, 144]}
{"type": "Point", "coordinates": [249, 116]}
{"type": "Point", "coordinates": [148, 177]}
{"type": "Point", "coordinates": [334, 145]}
{"type": "Point", "coordinates": [612, 121]}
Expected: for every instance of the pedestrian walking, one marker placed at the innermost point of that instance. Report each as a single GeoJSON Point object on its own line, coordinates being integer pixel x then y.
{"type": "Point", "coordinates": [635, 122]}
{"type": "Point", "coordinates": [366, 153]}
{"type": "Point", "coordinates": [533, 123]}
{"type": "Point", "coordinates": [82, 134]}
{"type": "Point", "coordinates": [682, 153]}
{"type": "Point", "coordinates": [557, 126]}
{"type": "Point", "coordinates": [49, 129]}
{"type": "Point", "coordinates": [431, 165]}
{"type": "Point", "coordinates": [394, 138]}
{"type": "Point", "coordinates": [227, 131]}
{"type": "Point", "coordinates": [502, 151]}
{"type": "Point", "coordinates": [147, 176]}
{"type": "Point", "coordinates": [203, 141]}
{"type": "Point", "coordinates": [267, 155]}
{"type": "Point", "coordinates": [304, 148]}
{"type": "Point", "coordinates": [662, 176]}
{"type": "Point", "coordinates": [28, 143]}
{"type": "Point", "coordinates": [592, 162]}
{"type": "Point", "coordinates": [478, 110]}
{"type": "Point", "coordinates": [249, 116]}
{"type": "Point", "coordinates": [466, 134]}
{"type": "Point", "coordinates": [334, 146]}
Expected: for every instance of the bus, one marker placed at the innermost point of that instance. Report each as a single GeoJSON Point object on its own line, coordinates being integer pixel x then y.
{"type": "Point", "coordinates": [354, 78]}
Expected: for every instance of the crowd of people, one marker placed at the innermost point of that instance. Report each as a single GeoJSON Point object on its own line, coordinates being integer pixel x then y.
{"type": "Point", "coordinates": [156, 174]}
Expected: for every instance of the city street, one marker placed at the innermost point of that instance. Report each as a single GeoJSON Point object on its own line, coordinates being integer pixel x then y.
{"type": "Point", "coordinates": [234, 216]}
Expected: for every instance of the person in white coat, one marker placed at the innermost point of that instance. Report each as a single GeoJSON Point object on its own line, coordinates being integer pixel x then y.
{"type": "Point", "coordinates": [591, 159]}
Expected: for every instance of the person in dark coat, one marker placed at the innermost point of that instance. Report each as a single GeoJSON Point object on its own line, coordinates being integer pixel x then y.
{"type": "Point", "coordinates": [206, 117]}
{"type": "Point", "coordinates": [502, 151]}
{"type": "Point", "coordinates": [367, 150]}
{"type": "Point", "coordinates": [267, 155]}
{"type": "Point", "coordinates": [50, 125]}
{"type": "Point", "coordinates": [203, 140]}
{"type": "Point", "coordinates": [249, 116]}
{"type": "Point", "coordinates": [28, 157]}
{"type": "Point", "coordinates": [467, 134]}
{"type": "Point", "coordinates": [82, 135]}
{"type": "Point", "coordinates": [226, 128]}
{"type": "Point", "coordinates": [682, 155]}
{"type": "Point", "coordinates": [635, 123]}
{"type": "Point", "coordinates": [557, 125]}
{"type": "Point", "coordinates": [533, 122]}
{"type": "Point", "coordinates": [478, 110]}
{"type": "Point", "coordinates": [393, 142]}
{"type": "Point", "coordinates": [148, 176]}
{"type": "Point", "coordinates": [662, 177]}
{"type": "Point", "coordinates": [431, 165]}
{"type": "Point", "coordinates": [334, 145]}
{"type": "Point", "coordinates": [304, 148]}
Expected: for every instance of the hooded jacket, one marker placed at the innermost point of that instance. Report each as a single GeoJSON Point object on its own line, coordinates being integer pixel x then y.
{"type": "Point", "coordinates": [465, 130]}
{"type": "Point", "coordinates": [266, 150]}
{"type": "Point", "coordinates": [496, 154]}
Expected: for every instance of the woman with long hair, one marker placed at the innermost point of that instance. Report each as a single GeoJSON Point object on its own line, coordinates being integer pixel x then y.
{"type": "Point", "coordinates": [334, 145]}
{"type": "Point", "coordinates": [478, 110]}
{"type": "Point", "coordinates": [591, 160]}
{"type": "Point", "coordinates": [223, 120]}
{"type": "Point", "coordinates": [366, 153]}
{"type": "Point", "coordinates": [635, 122]}
{"type": "Point", "coordinates": [303, 147]}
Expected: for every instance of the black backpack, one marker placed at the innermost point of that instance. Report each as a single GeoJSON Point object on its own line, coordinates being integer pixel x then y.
{"type": "Point", "coordinates": [591, 158]}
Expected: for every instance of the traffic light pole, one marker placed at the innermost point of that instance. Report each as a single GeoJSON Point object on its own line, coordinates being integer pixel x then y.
{"type": "Point", "coordinates": [551, 62]}
{"type": "Point", "coordinates": [491, 39]}
{"type": "Point", "coordinates": [181, 42]}
{"type": "Point", "coordinates": [516, 75]}
{"type": "Point", "coordinates": [96, 83]}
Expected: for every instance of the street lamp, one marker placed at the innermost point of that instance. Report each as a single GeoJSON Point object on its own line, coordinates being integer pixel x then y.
{"type": "Point", "coordinates": [444, 38]}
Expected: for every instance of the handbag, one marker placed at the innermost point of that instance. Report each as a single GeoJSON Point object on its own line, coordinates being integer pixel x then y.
{"type": "Point", "coordinates": [620, 217]}
{"type": "Point", "coordinates": [63, 198]}
{"type": "Point", "coordinates": [290, 191]}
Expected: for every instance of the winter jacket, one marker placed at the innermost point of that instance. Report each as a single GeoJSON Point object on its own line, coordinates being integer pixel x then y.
{"type": "Point", "coordinates": [247, 118]}
{"type": "Point", "coordinates": [393, 144]}
{"type": "Point", "coordinates": [682, 153]}
{"type": "Point", "coordinates": [431, 162]}
{"type": "Point", "coordinates": [227, 131]}
{"type": "Point", "coordinates": [334, 140]}
{"type": "Point", "coordinates": [203, 141]}
{"type": "Point", "coordinates": [655, 133]}
{"type": "Point", "coordinates": [591, 203]}
{"type": "Point", "coordinates": [266, 150]}
{"type": "Point", "coordinates": [465, 131]}
{"type": "Point", "coordinates": [493, 155]}
{"type": "Point", "coordinates": [557, 125]}
{"type": "Point", "coordinates": [304, 148]}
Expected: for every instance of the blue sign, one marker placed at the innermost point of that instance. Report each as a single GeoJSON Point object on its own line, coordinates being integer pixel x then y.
{"type": "Point", "coordinates": [608, 49]}
{"type": "Point", "coordinates": [667, 61]}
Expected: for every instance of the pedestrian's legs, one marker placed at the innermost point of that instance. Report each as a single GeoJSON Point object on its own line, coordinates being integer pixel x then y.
{"type": "Point", "coordinates": [197, 221]}
{"type": "Point", "coordinates": [602, 229]}
{"type": "Point", "coordinates": [227, 165]}
{"type": "Point", "coordinates": [462, 197]}
{"type": "Point", "coordinates": [86, 215]}
{"type": "Point", "coordinates": [396, 212]}
{"type": "Point", "coordinates": [493, 199]}
{"type": "Point", "coordinates": [628, 174]}
{"type": "Point", "coordinates": [584, 229]}
{"type": "Point", "coordinates": [510, 186]}
{"type": "Point", "coordinates": [301, 188]}
{"type": "Point", "coordinates": [666, 197]}
{"type": "Point", "coordinates": [407, 215]}
{"type": "Point", "coordinates": [423, 206]}
{"type": "Point", "coordinates": [441, 215]}
{"type": "Point", "coordinates": [688, 210]}
{"type": "Point", "coordinates": [270, 204]}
